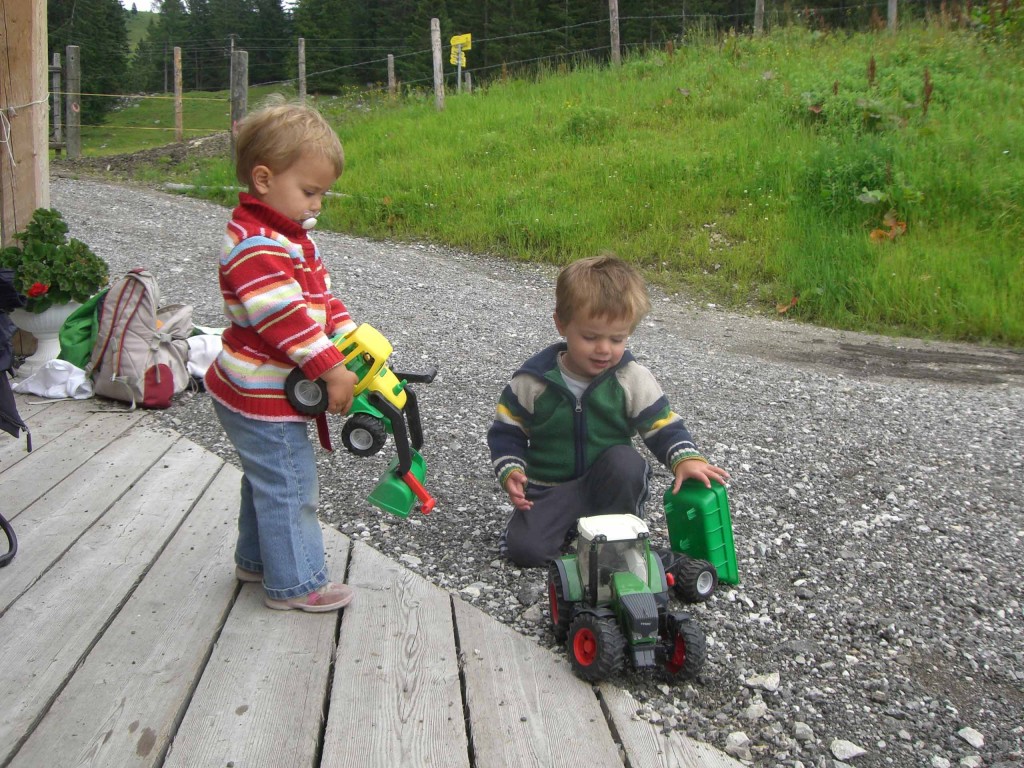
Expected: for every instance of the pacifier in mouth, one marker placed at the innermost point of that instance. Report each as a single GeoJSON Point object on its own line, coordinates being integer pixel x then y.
{"type": "Point", "coordinates": [309, 223]}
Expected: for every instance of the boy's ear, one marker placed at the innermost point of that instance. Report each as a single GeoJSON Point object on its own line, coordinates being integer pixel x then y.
{"type": "Point", "coordinates": [558, 324]}
{"type": "Point", "coordinates": [261, 175]}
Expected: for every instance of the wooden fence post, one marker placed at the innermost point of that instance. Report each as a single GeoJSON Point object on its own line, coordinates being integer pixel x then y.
{"type": "Point", "coordinates": [435, 44]}
{"type": "Point", "coordinates": [73, 102]}
{"type": "Point", "coordinates": [758, 17]}
{"type": "Point", "coordinates": [179, 131]}
{"type": "Point", "coordinates": [239, 90]}
{"type": "Point", "coordinates": [613, 20]}
{"type": "Point", "coordinates": [302, 70]}
{"type": "Point", "coordinates": [391, 75]}
{"type": "Point", "coordinates": [24, 157]}
{"type": "Point", "coordinates": [56, 141]}
{"type": "Point", "coordinates": [892, 15]}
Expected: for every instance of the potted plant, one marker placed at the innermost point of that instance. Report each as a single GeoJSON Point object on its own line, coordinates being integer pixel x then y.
{"type": "Point", "coordinates": [56, 275]}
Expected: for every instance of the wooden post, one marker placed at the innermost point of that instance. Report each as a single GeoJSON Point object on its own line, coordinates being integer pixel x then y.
{"type": "Point", "coordinates": [391, 75]}
{"type": "Point", "coordinates": [892, 15]}
{"type": "Point", "coordinates": [73, 101]}
{"type": "Point", "coordinates": [469, 81]}
{"type": "Point", "coordinates": [613, 20]}
{"type": "Point", "coordinates": [24, 155]}
{"type": "Point", "coordinates": [758, 17]}
{"type": "Point", "coordinates": [179, 132]}
{"type": "Point", "coordinates": [435, 44]}
{"type": "Point", "coordinates": [302, 70]}
{"type": "Point", "coordinates": [239, 90]}
{"type": "Point", "coordinates": [57, 142]}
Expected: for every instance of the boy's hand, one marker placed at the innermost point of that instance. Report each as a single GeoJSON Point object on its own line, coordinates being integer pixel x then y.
{"type": "Point", "coordinates": [698, 470]}
{"type": "Point", "coordinates": [341, 384]}
{"type": "Point", "coordinates": [515, 487]}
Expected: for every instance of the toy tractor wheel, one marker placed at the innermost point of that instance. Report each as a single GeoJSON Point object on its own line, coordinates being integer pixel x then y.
{"type": "Point", "coordinates": [695, 580]}
{"type": "Point", "coordinates": [308, 397]}
{"type": "Point", "coordinates": [561, 609]}
{"type": "Point", "coordinates": [597, 648]}
{"type": "Point", "coordinates": [363, 434]}
{"type": "Point", "coordinates": [686, 648]}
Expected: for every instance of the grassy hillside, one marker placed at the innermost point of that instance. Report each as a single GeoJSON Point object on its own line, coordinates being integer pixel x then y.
{"type": "Point", "coordinates": [871, 181]}
{"type": "Point", "coordinates": [137, 24]}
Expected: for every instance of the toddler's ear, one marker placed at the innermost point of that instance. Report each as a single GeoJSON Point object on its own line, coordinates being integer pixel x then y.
{"type": "Point", "coordinates": [261, 179]}
{"type": "Point", "coordinates": [558, 324]}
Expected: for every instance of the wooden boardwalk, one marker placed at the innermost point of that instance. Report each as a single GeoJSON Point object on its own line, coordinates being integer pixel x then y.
{"type": "Point", "coordinates": [126, 641]}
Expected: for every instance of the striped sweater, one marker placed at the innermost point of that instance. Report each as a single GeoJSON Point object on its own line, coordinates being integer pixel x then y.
{"type": "Point", "coordinates": [277, 297]}
{"type": "Point", "coordinates": [544, 431]}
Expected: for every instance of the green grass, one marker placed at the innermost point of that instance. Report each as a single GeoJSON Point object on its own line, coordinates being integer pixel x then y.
{"type": "Point", "coordinates": [137, 24]}
{"type": "Point", "coordinates": [748, 173]}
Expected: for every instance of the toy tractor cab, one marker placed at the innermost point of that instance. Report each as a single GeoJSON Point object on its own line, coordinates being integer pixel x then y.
{"type": "Point", "coordinates": [611, 600]}
{"type": "Point", "coordinates": [383, 404]}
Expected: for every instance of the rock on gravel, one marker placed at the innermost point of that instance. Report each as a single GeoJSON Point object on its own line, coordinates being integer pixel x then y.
{"type": "Point", "coordinates": [877, 490]}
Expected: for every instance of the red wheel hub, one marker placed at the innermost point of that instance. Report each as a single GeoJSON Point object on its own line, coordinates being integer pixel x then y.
{"type": "Point", "coordinates": [678, 658]}
{"type": "Point", "coordinates": [584, 647]}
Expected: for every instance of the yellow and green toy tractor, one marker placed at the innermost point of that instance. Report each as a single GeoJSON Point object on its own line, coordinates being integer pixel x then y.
{"type": "Point", "coordinates": [383, 404]}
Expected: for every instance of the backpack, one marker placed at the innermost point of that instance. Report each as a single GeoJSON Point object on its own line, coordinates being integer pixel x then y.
{"type": "Point", "coordinates": [141, 350]}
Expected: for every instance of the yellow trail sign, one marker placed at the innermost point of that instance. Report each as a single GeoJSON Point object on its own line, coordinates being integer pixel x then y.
{"type": "Point", "coordinates": [466, 41]}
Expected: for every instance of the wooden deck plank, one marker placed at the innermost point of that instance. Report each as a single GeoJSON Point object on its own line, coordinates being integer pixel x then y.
{"type": "Point", "coordinates": [527, 707]}
{"type": "Point", "coordinates": [648, 746]}
{"type": "Point", "coordinates": [396, 699]}
{"type": "Point", "coordinates": [46, 633]}
{"type": "Point", "coordinates": [46, 421]}
{"type": "Point", "coordinates": [51, 525]}
{"type": "Point", "coordinates": [261, 700]}
{"type": "Point", "coordinates": [30, 478]}
{"type": "Point", "coordinates": [123, 705]}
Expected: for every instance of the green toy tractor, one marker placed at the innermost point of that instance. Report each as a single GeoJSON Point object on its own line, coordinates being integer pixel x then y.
{"type": "Point", "coordinates": [610, 601]}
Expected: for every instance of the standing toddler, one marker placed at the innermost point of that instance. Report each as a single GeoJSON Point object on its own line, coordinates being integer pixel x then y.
{"type": "Point", "coordinates": [278, 299]}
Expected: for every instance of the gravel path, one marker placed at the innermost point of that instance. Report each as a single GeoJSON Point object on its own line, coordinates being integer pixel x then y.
{"type": "Point", "coordinates": [876, 495]}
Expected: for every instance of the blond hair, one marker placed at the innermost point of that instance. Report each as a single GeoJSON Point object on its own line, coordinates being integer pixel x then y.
{"type": "Point", "coordinates": [279, 133]}
{"type": "Point", "coordinates": [601, 286]}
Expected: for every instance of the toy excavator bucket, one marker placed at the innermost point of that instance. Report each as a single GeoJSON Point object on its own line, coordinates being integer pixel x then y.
{"type": "Point", "coordinates": [699, 526]}
{"type": "Point", "coordinates": [397, 493]}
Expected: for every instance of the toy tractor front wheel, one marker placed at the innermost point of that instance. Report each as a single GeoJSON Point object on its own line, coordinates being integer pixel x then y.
{"type": "Point", "coordinates": [363, 434]}
{"type": "Point", "coordinates": [685, 648]}
{"type": "Point", "coordinates": [561, 609]}
{"type": "Point", "coordinates": [695, 580]}
{"type": "Point", "coordinates": [597, 648]}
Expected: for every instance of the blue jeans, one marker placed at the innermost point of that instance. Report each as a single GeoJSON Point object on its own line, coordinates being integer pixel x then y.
{"type": "Point", "coordinates": [279, 532]}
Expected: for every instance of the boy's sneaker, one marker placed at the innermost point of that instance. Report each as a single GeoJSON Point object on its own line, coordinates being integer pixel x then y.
{"type": "Point", "coordinates": [330, 597]}
{"type": "Point", "coordinates": [247, 576]}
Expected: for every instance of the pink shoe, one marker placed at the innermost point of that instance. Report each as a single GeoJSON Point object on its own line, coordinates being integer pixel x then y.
{"type": "Point", "coordinates": [330, 597]}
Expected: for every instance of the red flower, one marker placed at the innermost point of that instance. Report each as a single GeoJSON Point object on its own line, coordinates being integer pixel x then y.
{"type": "Point", "coordinates": [37, 290]}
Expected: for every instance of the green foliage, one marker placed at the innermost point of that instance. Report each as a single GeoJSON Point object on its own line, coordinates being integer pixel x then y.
{"type": "Point", "coordinates": [50, 269]}
{"type": "Point", "coordinates": [703, 169]}
{"type": "Point", "coordinates": [97, 27]}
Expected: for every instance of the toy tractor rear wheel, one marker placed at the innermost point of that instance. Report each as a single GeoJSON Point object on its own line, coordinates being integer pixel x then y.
{"type": "Point", "coordinates": [597, 648]}
{"type": "Point", "coordinates": [308, 397]}
{"type": "Point", "coordinates": [686, 648]}
{"type": "Point", "coordinates": [561, 609]}
{"type": "Point", "coordinates": [363, 434]}
{"type": "Point", "coordinates": [695, 580]}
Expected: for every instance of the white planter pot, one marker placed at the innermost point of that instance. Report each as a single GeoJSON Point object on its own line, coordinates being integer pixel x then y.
{"type": "Point", "coordinates": [45, 326]}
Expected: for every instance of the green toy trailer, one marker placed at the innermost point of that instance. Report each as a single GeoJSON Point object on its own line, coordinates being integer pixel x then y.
{"type": "Point", "coordinates": [610, 601]}
{"type": "Point", "coordinates": [699, 528]}
{"type": "Point", "coordinates": [382, 405]}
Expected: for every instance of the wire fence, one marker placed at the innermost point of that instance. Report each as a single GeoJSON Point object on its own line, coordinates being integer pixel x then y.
{"type": "Point", "coordinates": [677, 30]}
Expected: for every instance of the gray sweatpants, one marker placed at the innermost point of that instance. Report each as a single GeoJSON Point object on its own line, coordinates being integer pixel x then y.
{"type": "Point", "coordinates": [618, 482]}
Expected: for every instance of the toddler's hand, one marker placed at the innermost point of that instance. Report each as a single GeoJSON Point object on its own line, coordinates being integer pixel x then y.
{"type": "Point", "coordinates": [698, 470]}
{"type": "Point", "coordinates": [515, 487]}
{"type": "Point", "coordinates": [341, 383]}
